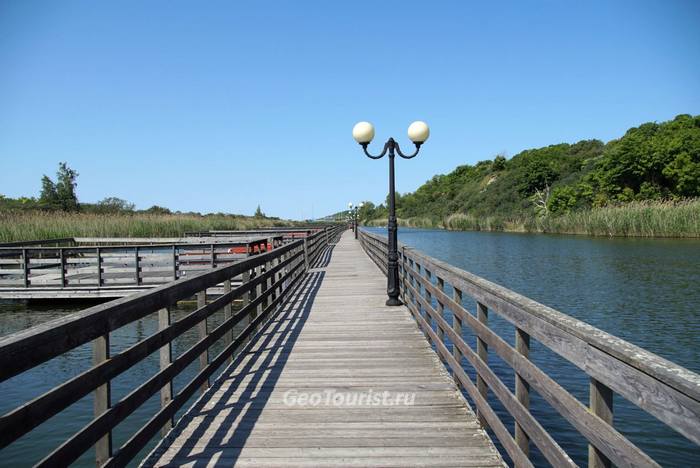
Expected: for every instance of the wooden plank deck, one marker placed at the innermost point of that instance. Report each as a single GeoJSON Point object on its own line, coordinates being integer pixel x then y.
{"type": "Point", "coordinates": [337, 345]}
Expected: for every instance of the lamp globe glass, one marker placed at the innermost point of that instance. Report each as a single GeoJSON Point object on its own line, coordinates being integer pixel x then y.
{"type": "Point", "coordinates": [418, 131]}
{"type": "Point", "coordinates": [363, 132]}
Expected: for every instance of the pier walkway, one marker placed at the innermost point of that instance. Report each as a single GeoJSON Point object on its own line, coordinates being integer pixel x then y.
{"type": "Point", "coordinates": [336, 379]}
{"type": "Point", "coordinates": [298, 362]}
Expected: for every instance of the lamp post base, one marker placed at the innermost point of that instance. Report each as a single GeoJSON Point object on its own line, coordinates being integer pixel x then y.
{"type": "Point", "coordinates": [392, 301]}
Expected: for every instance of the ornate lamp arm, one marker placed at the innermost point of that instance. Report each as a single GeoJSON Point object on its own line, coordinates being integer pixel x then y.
{"type": "Point", "coordinates": [415, 153]}
{"type": "Point", "coordinates": [381, 155]}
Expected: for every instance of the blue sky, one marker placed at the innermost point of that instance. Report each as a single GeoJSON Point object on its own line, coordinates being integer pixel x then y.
{"type": "Point", "coordinates": [221, 106]}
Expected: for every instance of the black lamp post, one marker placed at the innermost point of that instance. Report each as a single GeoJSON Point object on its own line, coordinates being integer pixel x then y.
{"type": "Point", "coordinates": [357, 217]}
{"type": "Point", "coordinates": [354, 219]}
{"type": "Point", "coordinates": [351, 214]}
{"type": "Point", "coordinates": [418, 132]}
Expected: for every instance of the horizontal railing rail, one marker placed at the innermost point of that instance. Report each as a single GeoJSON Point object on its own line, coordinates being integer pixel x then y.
{"type": "Point", "coordinates": [661, 388]}
{"type": "Point", "coordinates": [267, 280]}
{"type": "Point", "coordinates": [122, 265]}
{"type": "Point", "coordinates": [46, 242]}
{"type": "Point", "coordinates": [287, 233]}
{"type": "Point", "coordinates": [272, 238]}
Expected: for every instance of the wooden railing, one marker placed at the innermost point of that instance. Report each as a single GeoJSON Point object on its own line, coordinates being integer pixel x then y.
{"type": "Point", "coordinates": [274, 240]}
{"type": "Point", "coordinates": [268, 279]}
{"type": "Point", "coordinates": [430, 288]}
{"type": "Point", "coordinates": [287, 233]}
{"type": "Point", "coordinates": [67, 241]}
{"type": "Point", "coordinates": [124, 265]}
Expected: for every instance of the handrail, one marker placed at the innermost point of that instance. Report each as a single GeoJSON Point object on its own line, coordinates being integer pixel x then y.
{"type": "Point", "coordinates": [58, 240]}
{"type": "Point", "coordinates": [118, 265]}
{"type": "Point", "coordinates": [663, 389]}
{"type": "Point", "coordinates": [87, 248]}
{"type": "Point", "coordinates": [268, 280]}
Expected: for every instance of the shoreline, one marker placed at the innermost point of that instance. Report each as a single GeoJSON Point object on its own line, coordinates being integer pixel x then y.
{"type": "Point", "coordinates": [658, 219]}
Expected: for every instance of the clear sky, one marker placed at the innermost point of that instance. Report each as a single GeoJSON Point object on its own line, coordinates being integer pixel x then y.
{"type": "Point", "coordinates": [221, 106]}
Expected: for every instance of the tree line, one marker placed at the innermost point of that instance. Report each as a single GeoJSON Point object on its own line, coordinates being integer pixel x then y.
{"type": "Point", "coordinates": [60, 194]}
{"type": "Point", "coordinates": [654, 161]}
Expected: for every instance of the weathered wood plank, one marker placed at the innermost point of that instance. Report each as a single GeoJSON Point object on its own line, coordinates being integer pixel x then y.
{"type": "Point", "coordinates": [661, 388]}
{"type": "Point", "coordinates": [335, 335]}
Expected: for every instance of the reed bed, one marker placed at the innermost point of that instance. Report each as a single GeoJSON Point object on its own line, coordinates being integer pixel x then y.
{"type": "Point", "coordinates": [635, 219]}
{"type": "Point", "coordinates": [418, 222]}
{"type": "Point", "coordinates": [31, 225]}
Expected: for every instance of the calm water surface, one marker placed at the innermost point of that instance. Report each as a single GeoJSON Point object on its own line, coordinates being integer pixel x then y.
{"type": "Point", "coordinates": [645, 291]}
{"type": "Point", "coordinates": [41, 441]}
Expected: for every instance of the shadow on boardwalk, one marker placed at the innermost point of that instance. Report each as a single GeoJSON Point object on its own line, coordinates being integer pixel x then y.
{"type": "Point", "coordinates": [335, 336]}
{"type": "Point", "coordinates": [246, 386]}
{"type": "Point", "coordinates": [324, 258]}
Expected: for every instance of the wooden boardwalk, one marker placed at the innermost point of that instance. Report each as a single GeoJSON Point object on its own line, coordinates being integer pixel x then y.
{"type": "Point", "coordinates": [335, 379]}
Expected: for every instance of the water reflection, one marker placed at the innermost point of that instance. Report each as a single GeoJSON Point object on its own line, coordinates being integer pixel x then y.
{"type": "Point", "coordinates": [645, 291]}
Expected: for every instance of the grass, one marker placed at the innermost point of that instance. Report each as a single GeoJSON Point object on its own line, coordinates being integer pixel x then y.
{"type": "Point", "coordinates": [418, 222]}
{"type": "Point", "coordinates": [31, 225]}
{"type": "Point", "coordinates": [635, 219]}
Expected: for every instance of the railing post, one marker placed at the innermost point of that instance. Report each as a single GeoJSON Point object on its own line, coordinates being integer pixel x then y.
{"type": "Point", "coordinates": [265, 286]}
{"type": "Point", "coordinates": [174, 262]}
{"type": "Point", "coordinates": [137, 266]}
{"type": "Point", "coordinates": [246, 297]}
{"type": "Point", "coordinates": [440, 305]}
{"type": "Point", "coordinates": [100, 353]}
{"type": "Point", "coordinates": [601, 404]}
{"type": "Point", "coordinates": [201, 334]}
{"type": "Point", "coordinates": [62, 253]}
{"type": "Point", "coordinates": [306, 255]}
{"type": "Point", "coordinates": [482, 350]}
{"type": "Point", "coordinates": [522, 390]}
{"type": "Point", "coordinates": [402, 273]}
{"type": "Point", "coordinates": [457, 327]}
{"type": "Point", "coordinates": [258, 292]}
{"type": "Point", "coordinates": [411, 280]}
{"type": "Point", "coordinates": [228, 313]}
{"type": "Point", "coordinates": [429, 299]}
{"type": "Point", "coordinates": [99, 267]}
{"type": "Point", "coordinates": [25, 267]}
{"type": "Point", "coordinates": [166, 356]}
{"type": "Point", "coordinates": [245, 278]}
{"type": "Point", "coordinates": [213, 257]}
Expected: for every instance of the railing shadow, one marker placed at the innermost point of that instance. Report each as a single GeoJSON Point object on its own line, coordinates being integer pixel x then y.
{"type": "Point", "coordinates": [226, 425]}
{"type": "Point", "coordinates": [324, 258]}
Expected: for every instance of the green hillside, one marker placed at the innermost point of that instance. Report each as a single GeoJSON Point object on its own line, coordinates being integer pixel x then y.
{"type": "Point", "coordinates": [655, 165]}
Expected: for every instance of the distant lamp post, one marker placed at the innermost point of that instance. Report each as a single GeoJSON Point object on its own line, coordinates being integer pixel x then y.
{"type": "Point", "coordinates": [363, 133]}
{"type": "Point", "coordinates": [353, 216]}
{"type": "Point", "coordinates": [357, 217]}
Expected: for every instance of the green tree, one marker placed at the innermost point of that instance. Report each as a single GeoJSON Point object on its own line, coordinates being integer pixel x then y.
{"type": "Point", "coordinates": [155, 209]}
{"type": "Point", "coordinates": [65, 187]}
{"type": "Point", "coordinates": [684, 172]}
{"type": "Point", "coordinates": [654, 159]}
{"type": "Point", "coordinates": [562, 200]}
{"type": "Point", "coordinates": [366, 212]}
{"type": "Point", "coordinates": [114, 205]}
{"type": "Point", "coordinates": [48, 197]}
{"type": "Point", "coordinates": [499, 163]}
{"type": "Point", "coordinates": [259, 213]}
{"type": "Point", "coordinates": [538, 174]}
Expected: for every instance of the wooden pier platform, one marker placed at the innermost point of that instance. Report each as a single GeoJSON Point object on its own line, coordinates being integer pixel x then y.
{"type": "Point", "coordinates": [335, 379]}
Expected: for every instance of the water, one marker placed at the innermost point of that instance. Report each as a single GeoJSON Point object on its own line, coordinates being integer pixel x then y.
{"type": "Point", "coordinates": [32, 447]}
{"type": "Point", "coordinates": [646, 291]}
